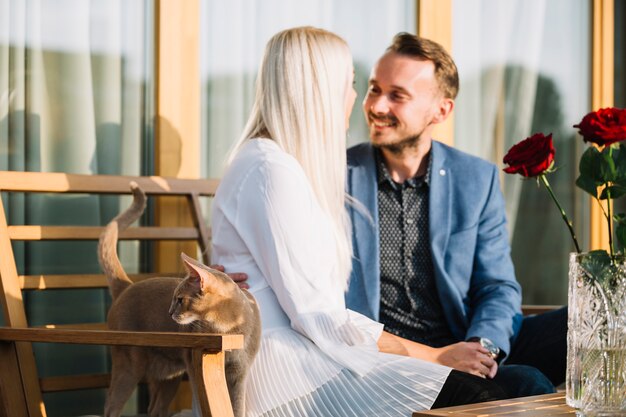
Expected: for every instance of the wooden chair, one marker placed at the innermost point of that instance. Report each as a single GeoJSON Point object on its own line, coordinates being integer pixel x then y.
{"type": "Point", "coordinates": [21, 387]}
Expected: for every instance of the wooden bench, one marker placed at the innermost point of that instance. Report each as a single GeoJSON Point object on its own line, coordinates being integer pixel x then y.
{"type": "Point", "coordinates": [21, 388]}
{"type": "Point", "coordinates": [531, 309]}
{"type": "Point", "coordinates": [547, 405]}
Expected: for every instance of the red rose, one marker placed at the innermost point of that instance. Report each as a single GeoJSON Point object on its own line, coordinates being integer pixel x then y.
{"type": "Point", "coordinates": [603, 127]}
{"type": "Point", "coordinates": [531, 157]}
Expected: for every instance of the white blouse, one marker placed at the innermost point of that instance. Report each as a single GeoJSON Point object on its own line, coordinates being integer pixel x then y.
{"type": "Point", "coordinates": [316, 357]}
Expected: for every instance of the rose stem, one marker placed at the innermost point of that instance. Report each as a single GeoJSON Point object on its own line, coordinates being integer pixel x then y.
{"type": "Point", "coordinates": [565, 219]}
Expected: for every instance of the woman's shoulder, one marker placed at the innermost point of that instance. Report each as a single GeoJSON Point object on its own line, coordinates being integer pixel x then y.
{"type": "Point", "coordinates": [261, 163]}
{"type": "Point", "coordinates": [266, 158]}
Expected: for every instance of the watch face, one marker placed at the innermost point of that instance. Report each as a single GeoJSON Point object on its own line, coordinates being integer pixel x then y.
{"type": "Point", "coordinates": [490, 346]}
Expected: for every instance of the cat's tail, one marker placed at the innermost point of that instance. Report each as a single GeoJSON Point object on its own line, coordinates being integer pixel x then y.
{"type": "Point", "coordinates": [107, 246]}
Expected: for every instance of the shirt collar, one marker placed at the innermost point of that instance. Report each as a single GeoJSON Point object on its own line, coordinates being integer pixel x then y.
{"type": "Point", "coordinates": [383, 175]}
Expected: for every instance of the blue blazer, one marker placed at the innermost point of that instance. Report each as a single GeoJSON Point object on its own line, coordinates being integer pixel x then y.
{"type": "Point", "coordinates": [469, 242]}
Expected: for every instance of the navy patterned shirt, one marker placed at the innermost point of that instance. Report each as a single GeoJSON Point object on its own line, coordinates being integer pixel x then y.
{"type": "Point", "coordinates": [409, 302]}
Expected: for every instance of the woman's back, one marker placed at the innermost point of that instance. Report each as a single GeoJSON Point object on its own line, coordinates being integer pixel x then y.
{"type": "Point", "coordinates": [265, 191]}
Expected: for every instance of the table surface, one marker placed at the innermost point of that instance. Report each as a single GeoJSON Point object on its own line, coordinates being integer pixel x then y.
{"type": "Point", "coordinates": [536, 406]}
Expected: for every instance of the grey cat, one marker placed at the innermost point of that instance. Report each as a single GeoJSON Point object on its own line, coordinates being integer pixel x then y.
{"type": "Point", "coordinates": [205, 301]}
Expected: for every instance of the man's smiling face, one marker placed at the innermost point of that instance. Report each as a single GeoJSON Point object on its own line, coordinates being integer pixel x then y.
{"type": "Point", "coordinates": [402, 102]}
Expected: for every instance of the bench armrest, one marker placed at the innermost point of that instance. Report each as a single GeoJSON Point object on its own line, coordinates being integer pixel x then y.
{"type": "Point", "coordinates": [207, 356]}
{"type": "Point", "coordinates": [204, 341]}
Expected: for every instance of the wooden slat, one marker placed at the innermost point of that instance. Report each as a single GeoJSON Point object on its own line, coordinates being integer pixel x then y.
{"type": "Point", "coordinates": [205, 234]}
{"type": "Point", "coordinates": [78, 382]}
{"type": "Point", "coordinates": [74, 382]}
{"type": "Point", "coordinates": [11, 295]}
{"type": "Point", "coordinates": [210, 380]}
{"type": "Point", "coordinates": [529, 309]}
{"type": "Point", "coordinates": [102, 184]}
{"type": "Point", "coordinates": [75, 326]}
{"type": "Point", "coordinates": [205, 341]}
{"type": "Point", "coordinates": [15, 315]}
{"type": "Point", "coordinates": [80, 281]}
{"type": "Point", "coordinates": [173, 212]}
{"type": "Point", "coordinates": [12, 399]}
{"type": "Point", "coordinates": [93, 233]}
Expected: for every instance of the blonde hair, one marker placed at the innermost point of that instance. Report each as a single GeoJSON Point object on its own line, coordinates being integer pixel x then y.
{"type": "Point", "coordinates": [300, 104]}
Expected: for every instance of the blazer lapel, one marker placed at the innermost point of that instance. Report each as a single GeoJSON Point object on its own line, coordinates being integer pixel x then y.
{"type": "Point", "coordinates": [440, 205]}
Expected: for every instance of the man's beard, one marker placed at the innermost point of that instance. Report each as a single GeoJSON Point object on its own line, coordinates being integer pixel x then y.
{"type": "Point", "coordinates": [397, 148]}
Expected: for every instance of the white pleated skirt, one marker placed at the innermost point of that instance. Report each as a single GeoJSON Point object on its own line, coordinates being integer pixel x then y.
{"type": "Point", "coordinates": [335, 370]}
{"type": "Point", "coordinates": [291, 376]}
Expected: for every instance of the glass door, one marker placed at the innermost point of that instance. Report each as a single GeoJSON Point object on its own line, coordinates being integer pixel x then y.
{"type": "Point", "coordinates": [525, 68]}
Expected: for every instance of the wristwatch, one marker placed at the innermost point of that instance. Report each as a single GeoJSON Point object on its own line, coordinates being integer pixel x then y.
{"type": "Point", "coordinates": [494, 351]}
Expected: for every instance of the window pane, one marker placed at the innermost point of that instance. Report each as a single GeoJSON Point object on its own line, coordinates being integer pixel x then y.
{"type": "Point", "coordinates": [73, 78]}
{"type": "Point", "coordinates": [524, 68]}
{"type": "Point", "coordinates": [74, 97]}
{"type": "Point", "coordinates": [231, 50]}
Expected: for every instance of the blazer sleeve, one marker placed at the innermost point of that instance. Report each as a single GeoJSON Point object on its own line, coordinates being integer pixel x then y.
{"type": "Point", "coordinates": [494, 294]}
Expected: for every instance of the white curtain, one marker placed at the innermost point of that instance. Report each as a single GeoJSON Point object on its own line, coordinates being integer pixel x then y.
{"type": "Point", "coordinates": [524, 68]}
{"type": "Point", "coordinates": [72, 99]}
{"type": "Point", "coordinates": [71, 85]}
{"type": "Point", "coordinates": [234, 34]}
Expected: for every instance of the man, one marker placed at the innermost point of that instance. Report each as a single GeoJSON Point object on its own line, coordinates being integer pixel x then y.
{"type": "Point", "coordinates": [431, 253]}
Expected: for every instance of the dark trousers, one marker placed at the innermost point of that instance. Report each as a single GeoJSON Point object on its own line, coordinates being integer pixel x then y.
{"type": "Point", "coordinates": [462, 388]}
{"type": "Point", "coordinates": [537, 360]}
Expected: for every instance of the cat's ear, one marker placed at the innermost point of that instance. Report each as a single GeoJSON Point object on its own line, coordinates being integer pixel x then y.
{"type": "Point", "coordinates": [198, 274]}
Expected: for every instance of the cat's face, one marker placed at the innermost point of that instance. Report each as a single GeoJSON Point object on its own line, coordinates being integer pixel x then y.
{"type": "Point", "coordinates": [202, 293]}
{"type": "Point", "coordinates": [181, 309]}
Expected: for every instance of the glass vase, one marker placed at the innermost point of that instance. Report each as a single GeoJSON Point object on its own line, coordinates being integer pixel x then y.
{"type": "Point", "coordinates": [596, 337]}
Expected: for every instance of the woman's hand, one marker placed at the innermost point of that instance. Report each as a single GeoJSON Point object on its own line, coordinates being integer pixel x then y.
{"type": "Point", "coordinates": [468, 357]}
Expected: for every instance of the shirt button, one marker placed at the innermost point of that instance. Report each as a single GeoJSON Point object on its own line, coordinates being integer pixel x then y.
{"type": "Point", "coordinates": [409, 221]}
{"type": "Point", "coordinates": [442, 172]}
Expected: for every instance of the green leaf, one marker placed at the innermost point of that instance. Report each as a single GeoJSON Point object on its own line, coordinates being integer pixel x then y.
{"type": "Point", "coordinates": [589, 165]}
{"type": "Point", "coordinates": [596, 264]}
{"type": "Point", "coordinates": [595, 261]}
{"type": "Point", "coordinates": [587, 184]}
{"type": "Point", "coordinates": [620, 164]}
{"type": "Point", "coordinates": [608, 172]}
{"type": "Point", "coordinates": [616, 191]}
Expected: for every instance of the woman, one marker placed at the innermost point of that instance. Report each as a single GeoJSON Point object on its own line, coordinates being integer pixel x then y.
{"type": "Point", "coordinates": [279, 216]}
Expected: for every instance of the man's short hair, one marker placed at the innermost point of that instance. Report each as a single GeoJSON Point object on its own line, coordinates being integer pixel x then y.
{"type": "Point", "coordinates": [445, 69]}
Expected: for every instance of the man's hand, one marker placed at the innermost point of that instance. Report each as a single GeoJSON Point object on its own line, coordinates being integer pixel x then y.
{"type": "Point", "coordinates": [239, 277]}
{"type": "Point", "coordinates": [468, 357]}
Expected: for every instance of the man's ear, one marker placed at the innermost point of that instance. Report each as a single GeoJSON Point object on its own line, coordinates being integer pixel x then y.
{"type": "Point", "coordinates": [199, 276]}
{"type": "Point", "coordinates": [445, 107]}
